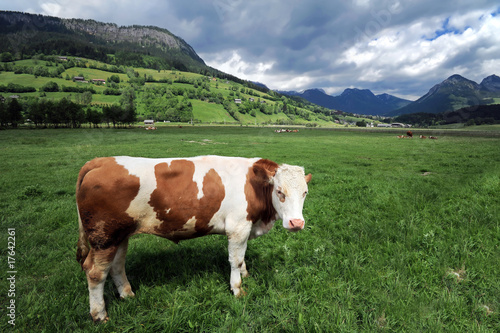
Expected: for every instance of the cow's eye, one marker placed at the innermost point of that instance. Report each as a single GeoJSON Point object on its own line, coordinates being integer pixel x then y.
{"type": "Point", "coordinates": [305, 193]}
{"type": "Point", "coordinates": [280, 194]}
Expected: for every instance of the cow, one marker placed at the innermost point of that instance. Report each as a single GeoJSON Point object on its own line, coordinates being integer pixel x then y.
{"type": "Point", "coordinates": [178, 199]}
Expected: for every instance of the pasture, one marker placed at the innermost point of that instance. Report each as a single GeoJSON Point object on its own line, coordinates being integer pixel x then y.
{"type": "Point", "coordinates": [401, 235]}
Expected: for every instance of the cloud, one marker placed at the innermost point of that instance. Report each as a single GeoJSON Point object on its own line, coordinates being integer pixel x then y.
{"type": "Point", "coordinates": [384, 45]}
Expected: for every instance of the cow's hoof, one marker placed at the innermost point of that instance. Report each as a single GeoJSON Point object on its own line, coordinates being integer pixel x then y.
{"type": "Point", "coordinates": [126, 293]}
{"type": "Point", "coordinates": [100, 318]}
{"type": "Point", "coordinates": [242, 293]}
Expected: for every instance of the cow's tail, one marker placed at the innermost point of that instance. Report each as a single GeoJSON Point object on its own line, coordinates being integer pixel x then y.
{"type": "Point", "coordinates": [83, 246]}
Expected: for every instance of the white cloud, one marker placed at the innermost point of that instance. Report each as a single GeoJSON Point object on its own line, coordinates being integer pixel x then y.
{"type": "Point", "coordinates": [235, 65]}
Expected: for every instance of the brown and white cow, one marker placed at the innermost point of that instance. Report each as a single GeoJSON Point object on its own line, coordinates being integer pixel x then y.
{"type": "Point", "coordinates": [179, 198]}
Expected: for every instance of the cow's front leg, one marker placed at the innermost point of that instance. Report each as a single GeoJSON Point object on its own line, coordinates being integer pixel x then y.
{"type": "Point", "coordinates": [118, 271]}
{"type": "Point", "coordinates": [237, 247]}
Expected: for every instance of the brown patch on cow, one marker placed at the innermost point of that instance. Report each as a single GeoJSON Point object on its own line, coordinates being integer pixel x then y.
{"type": "Point", "coordinates": [175, 200]}
{"type": "Point", "coordinates": [258, 191]}
{"type": "Point", "coordinates": [105, 190]}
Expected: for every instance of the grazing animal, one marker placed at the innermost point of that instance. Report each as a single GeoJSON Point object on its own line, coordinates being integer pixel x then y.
{"type": "Point", "coordinates": [401, 137]}
{"type": "Point", "coordinates": [423, 137]}
{"type": "Point", "coordinates": [433, 137]}
{"type": "Point", "coordinates": [179, 198]}
{"type": "Point", "coordinates": [410, 134]}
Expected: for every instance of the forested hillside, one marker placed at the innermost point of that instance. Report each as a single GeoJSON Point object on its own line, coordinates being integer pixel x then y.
{"type": "Point", "coordinates": [62, 91]}
{"type": "Point", "coordinates": [25, 35]}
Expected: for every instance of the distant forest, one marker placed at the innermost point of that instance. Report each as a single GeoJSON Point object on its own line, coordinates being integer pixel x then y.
{"type": "Point", "coordinates": [472, 115]}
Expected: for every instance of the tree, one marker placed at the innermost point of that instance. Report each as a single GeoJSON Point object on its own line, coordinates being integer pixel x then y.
{"type": "Point", "coordinates": [6, 57]}
{"type": "Point", "coordinates": [86, 97]}
{"type": "Point", "coordinates": [93, 116]}
{"type": "Point", "coordinates": [14, 112]}
{"type": "Point", "coordinates": [4, 117]}
{"type": "Point", "coordinates": [128, 104]}
{"type": "Point", "coordinates": [114, 78]}
{"type": "Point", "coordinates": [50, 86]}
{"type": "Point", "coordinates": [74, 113]}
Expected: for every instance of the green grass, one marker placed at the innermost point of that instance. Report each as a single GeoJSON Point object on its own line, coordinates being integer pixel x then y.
{"type": "Point", "coordinates": [210, 112]}
{"type": "Point", "coordinates": [388, 224]}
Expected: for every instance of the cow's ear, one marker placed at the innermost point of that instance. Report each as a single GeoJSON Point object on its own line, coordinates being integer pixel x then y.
{"type": "Point", "coordinates": [265, 170]}
{"type": "Point", "coordinates": [308, 178]}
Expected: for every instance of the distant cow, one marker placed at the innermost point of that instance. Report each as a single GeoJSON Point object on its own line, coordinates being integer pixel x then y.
{"type": "Point", "coordinates": [410, 134]}
{"type": "Point", "coordinates": [118, 197]}
{"type": "Point", "coordinates": [423, 137]}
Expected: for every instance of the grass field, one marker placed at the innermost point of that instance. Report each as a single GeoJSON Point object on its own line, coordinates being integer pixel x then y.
{"type": "Point", "coordinates": [401, 235]}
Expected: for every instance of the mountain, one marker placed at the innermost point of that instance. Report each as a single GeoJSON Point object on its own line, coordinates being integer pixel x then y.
{"type": "Point", "coordinates": [490, 84]}
{"type": "Point", "coordinates": [25, 34]}
{"type": "Point", "coordinates": [361, 101]}
{"type": "Point", "coordinates": [393, 101]}
{"type": "Point", "coordinates": [454, 93]}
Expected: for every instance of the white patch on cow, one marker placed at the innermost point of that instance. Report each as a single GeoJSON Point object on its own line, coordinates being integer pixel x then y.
{"type": "Point", "coordinates": [199, 174]}
{"type": "Point", "coordinates": [190, 224]}
{"type": "Point", "coordinates": [139, 208]}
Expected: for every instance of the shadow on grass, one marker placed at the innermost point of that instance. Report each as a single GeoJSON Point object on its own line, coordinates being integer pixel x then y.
{"type": "Point", "coordinates": [183, 264]}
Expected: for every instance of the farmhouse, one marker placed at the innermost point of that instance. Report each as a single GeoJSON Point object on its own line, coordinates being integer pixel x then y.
{"type": "Point", "coordinates": [99, 81]}
{"type": "Point", "coordinates": [149, 122]}
{"type": "Point", "coordinates": [383, 125]}
{"type": "Point", "coordinates": [237, 100]}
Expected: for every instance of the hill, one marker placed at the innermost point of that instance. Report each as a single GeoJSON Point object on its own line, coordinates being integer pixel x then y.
{"type": "Point", "coordinates": [102, 93]}
{"type": "Point", "coordinates": [454, 93]}
{"type": "Point", "coordinates": [358, 101]}
{"type": "Point", "coordinates": [144, 69]}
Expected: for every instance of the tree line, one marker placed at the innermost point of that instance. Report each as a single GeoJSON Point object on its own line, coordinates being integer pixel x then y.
{"type": "Point", "coordinates": [46, 113]}
{"type": "Point", "coordinates": [472, 115]}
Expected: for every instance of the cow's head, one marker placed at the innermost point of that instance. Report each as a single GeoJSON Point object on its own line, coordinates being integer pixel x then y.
{"type": "Point", "coordinates": [289, 192]}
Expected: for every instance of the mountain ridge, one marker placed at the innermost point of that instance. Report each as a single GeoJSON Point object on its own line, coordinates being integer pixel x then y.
{"type": "Point", "coordinates": [352, 100]}
{"type": "Point", "coordinates": [147, 46]}
{"type": "Point", "coordinates": [454, 93]}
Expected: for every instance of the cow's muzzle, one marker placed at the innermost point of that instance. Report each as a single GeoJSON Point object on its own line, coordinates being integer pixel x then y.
{"type": "Point", "coordinates": [296, 224]}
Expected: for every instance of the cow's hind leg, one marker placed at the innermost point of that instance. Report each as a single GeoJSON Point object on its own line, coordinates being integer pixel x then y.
{"type": "Point", "coordinates": [97, 266]}
{"type": "Point", "coordinates": [118, 271]}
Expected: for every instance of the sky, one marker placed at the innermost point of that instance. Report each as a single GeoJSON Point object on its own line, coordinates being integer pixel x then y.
{"type": "Point", "coordinates": [388, 46]}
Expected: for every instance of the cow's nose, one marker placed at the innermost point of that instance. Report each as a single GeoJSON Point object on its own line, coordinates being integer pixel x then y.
{"type": "Point", "coordinates": [296, 224]}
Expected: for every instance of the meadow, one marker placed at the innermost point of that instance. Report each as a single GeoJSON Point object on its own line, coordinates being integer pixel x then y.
{"type": "Point", "coordinates": [401, 235]}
